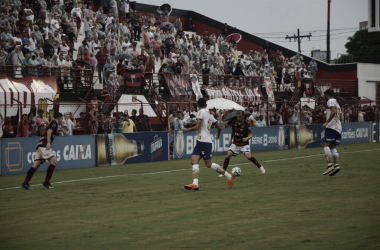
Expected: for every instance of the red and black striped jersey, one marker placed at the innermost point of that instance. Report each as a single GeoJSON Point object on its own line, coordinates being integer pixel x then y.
{"type": "Point", "coordinates": [43, 140]}
{"type": "Point", "coordinates": [240, 131]}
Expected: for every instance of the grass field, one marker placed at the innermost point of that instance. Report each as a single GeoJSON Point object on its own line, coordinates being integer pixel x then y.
{"type": "Point", "coordinates": [144, 206]}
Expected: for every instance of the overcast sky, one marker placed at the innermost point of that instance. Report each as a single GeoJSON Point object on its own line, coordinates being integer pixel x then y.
{"type": "Point", "coordinates": [274, 19]}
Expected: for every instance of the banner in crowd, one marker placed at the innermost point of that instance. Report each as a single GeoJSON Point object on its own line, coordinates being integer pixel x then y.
{"type": "Point", "coordinates": [179, 85]}
{"type": "Point", "coordinates": [375, 131]}
{"type": "Point", "coordinates": [18, 154]}
{"type": "Point", "coordinates": [236, 94]}
{"type": "Point", "coordinates": [195, 86]}
{"type": "Point", "coordinates": [117, 149]}
{"type": "Point", "coordinates": [133, 78]}
{"type": "Point", "coordinates": [263, 139]}
{"type": "Point", "coordinates": [268, 87]}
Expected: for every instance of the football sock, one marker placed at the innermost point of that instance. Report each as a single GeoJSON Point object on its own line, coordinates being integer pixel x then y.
{"type": "Point", "coordinates": [226, 174]}
{"type": "Point", "coordinates": [195, 181]}
{"type": "Point", "coordinates": [195, 171]}
{"type": "Point", "coordinates": [328, 154]}
{"type": "Point", "coordinates": [226, 162]}
{"type": "Point", "coordinates": [49, 173]}
{"type": "Point", "coordinates": [29, 175]}
{"type": "Point", "coordinates": [335, 155]}
{"type": "Point", "coordinates": [217, 168]}
{"type": "Point", "coordinates": [253, 159]}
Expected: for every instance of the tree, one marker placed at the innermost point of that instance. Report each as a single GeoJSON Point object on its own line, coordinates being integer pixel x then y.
{"type": "Point", "coordinates": [364, 46]}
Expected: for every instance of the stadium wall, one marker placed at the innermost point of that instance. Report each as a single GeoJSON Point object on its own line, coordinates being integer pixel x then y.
{"type": "Point", "coordinates": [85, 151]}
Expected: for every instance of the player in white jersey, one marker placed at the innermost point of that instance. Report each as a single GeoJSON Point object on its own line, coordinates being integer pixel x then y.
{"type": "Point", "coordinates": [203, 148]}
{"type": "Point", "coordinates": [333, 130]}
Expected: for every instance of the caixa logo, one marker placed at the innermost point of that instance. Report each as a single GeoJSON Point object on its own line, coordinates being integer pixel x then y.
{"type": "Point", "coordinates": [69, 153]}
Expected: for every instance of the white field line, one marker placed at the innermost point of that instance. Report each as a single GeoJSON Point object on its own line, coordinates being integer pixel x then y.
{"type": "Point", "coordinates": [185, 169]}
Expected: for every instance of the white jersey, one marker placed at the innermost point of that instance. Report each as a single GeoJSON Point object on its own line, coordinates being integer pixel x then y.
{"type": "Point", "coordinates": [335, 122]}
{"type": "Point", "coordinates": [203, 133]}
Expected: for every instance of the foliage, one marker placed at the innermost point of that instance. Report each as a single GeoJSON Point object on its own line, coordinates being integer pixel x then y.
{"type": "Point", "coordinates": [364, 46]}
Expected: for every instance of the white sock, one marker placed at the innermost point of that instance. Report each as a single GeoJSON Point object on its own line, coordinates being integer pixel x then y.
{"type": "Point", "coordinates": [196, 168]}
{"type": "Point", "coordinates": [335, 156]}
{"type": "Point", "coordinates": [216, 167]}
{"type": "Point", "coordinates": [328, 154]}
{"type": "Point", "coordinates": [226, 174]}
{"type": "Point", "coordinates": [195, 181]}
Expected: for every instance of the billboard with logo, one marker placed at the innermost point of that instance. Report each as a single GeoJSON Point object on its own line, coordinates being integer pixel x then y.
{"type": "Point", "coordinates": [17, 154]}
{"type": "Point", "coordinates": [263, 139]}
{"type": "Point", "coordinates": [355, 132]}
{"type": "Point", "coordinates": [117, 149]}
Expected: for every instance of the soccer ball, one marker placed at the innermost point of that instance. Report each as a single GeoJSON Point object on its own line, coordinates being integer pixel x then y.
{"type": "Point", "coordinates": [236, 171]}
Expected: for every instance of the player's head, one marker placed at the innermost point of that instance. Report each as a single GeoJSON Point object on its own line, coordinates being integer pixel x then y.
{"type": "Point", "coordinates": [58, 116]}
{"type": "Point", "coordinates": [329, 94]}
{"type": "Point", "coordinates": [179, 114]}
{"type": "Point", "coordinates": [239, 116]}
{"type": "Point", "coordinates": [202, 103]}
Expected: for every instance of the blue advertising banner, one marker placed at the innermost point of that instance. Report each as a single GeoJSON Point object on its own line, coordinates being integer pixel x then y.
{"type": "Point", "coordinates": [310, 136]}
{"type": "Point", "coordinates": [355, 132]}
{"type": "Point", "coordinates": [267, 138]}
{"type": "Point", "coordinates": [263, 139]}
{"type": "Point", "coordinates": [304, 136]}
{"type": "Point", "coordinates": [17, 154]}
{"type": "Point", "coordinates": [116, 149]}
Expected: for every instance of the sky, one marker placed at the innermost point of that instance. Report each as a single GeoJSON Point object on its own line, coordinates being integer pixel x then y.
{"type": "Point", "coordinates": [274, 19]}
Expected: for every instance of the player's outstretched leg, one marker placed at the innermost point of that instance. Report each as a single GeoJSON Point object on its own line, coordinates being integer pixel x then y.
{"type": "Point", "coordinates": [253, 159]}
{"type": "Point", "coordinates": [217, 168]}
{"type": "Point", "coordinates": [328, 156]}
{"type": "Point", "coordinates": [226, 162]}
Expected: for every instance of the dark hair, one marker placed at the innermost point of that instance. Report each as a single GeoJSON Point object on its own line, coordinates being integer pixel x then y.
{"type": "Point", "coordinates": [134, 111]}
{"type": "Point", "coordinates": [329, 92]}
{"type": "Point", "coordinates": [202, 102]}
{"type": "Point", "coordinates": [57, 115]}
{"type": "Point", "coordinates": [192, 116]}
{"type": "Point", "coordinates": [179, 112]}
{"type": "Point", "coordinates": [239, 112]}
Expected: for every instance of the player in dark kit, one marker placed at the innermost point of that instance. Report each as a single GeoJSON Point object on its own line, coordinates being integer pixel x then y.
{"type": "Point", "coordinates": [45, 153]}
{"type": "Point", "coordinates": [240, 135]}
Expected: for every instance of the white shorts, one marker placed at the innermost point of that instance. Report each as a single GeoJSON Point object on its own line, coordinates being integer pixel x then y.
{"type": "Point", "coordinates": [237, 149]}
{"type": "Point", "coordinates": [44, 154]}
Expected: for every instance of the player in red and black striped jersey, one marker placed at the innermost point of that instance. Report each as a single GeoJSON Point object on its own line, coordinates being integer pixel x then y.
{"type": "Point", "coordinates": [239, 142]}
{"type": "Point", "coordinates": [45, 153]}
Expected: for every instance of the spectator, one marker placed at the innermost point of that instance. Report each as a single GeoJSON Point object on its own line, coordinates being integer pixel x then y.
{"type": "Point", "coordinates": [189, 26]}
{"type": "Point", "coordinates": [261, 122]}
{"type": "Point", "coordinates": [41, 122]}
{"type": "Point", "coordinates": [177, 122]}
{"type": "Point", "coordinates": [68, 123]}
{"type": "Point", "coordinates": [93, 124]}
{"type": "Point", "coordinates": [144, 120]}
{"type": "Point", "coordinates": [23, 126]}
{"type": "Point", "coordinates": [8, 131]}
{"type": "Point", "coordinates": [128, 125]}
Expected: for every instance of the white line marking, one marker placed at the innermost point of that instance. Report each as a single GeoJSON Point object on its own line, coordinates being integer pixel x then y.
{"type": "Point", "coordinates": [185, 169]}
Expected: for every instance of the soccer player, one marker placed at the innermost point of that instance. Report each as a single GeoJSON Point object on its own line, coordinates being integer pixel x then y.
{"type": "Point", "coordinates": [240, 135]}
{"type": "Point", "coordinates": [333, 130]}
{"type": "Point", "coordinates": [44, 153]}
{"type": "Point", "coordinates": [203, 148]}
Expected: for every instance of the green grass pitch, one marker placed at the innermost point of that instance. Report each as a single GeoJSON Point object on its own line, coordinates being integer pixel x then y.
{"type": "Point", "coordinates": [144, 206]}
